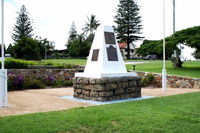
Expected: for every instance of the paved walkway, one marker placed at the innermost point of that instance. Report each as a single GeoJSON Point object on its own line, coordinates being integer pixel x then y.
{"type": "Point", "coordinates": [43, 100]}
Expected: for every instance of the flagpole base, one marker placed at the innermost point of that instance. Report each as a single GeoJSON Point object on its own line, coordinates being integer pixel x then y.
{"type": "Point", "coordinates": [164, 80]}
{"type": "Point", "coordinates": [3, 89]}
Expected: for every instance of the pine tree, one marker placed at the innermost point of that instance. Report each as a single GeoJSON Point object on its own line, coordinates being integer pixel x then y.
{"type": "Point", "coordinates": [72, 32]}
{"type": "Point", "coordinates": [23, 26]}
{"type": "Point", "coordinates": [128, 23]}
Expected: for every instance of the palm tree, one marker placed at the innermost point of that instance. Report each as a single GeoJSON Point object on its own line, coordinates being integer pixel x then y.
{"type": "Point", "coordinates": [91, 25]}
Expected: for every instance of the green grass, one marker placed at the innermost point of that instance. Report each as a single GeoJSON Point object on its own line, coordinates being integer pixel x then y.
{"type": "Point", "coordinates": [67, 61]}
{"type": "Point", "coordinates": [173, 114]}
{"type": "Point", "coordinates": [190, 68]}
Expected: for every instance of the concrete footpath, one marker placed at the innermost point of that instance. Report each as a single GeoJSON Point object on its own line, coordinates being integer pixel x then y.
{"type": "Point", "coordinates": [44, 100]}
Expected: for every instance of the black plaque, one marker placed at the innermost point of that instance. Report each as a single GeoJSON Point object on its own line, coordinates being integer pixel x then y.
{"type": "Point", "coordinates": [109, 37]}
{"type": "Point", "coordinates": [95, 54]}
{"type": "Point", "coordinates": [112, 53]}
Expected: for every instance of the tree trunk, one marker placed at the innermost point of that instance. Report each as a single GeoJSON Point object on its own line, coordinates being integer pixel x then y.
{"type": "Point", "coordinates": [177, 63]}
{"type": "Point", "coordinates": [128, 48]}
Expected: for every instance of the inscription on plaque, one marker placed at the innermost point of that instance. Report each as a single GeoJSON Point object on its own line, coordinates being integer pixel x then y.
{"type": "Point", "coordinates": [109, 37]}
{"type": "Point", "coordinates": [95, 54]}
{"type": "Point", "coordinates": [112, 53]}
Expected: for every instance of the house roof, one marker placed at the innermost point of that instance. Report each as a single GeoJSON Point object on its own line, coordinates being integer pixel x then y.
{"type": "Point", "coordinates": [122, 45]}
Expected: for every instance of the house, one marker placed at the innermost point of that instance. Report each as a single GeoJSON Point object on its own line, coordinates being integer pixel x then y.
{"type": "Point", "coordinates": [123, 49]}
{"type": "Point", "coordinates": [186, 53]}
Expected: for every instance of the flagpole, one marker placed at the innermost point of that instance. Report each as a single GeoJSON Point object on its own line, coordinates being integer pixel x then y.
{"type": "Point", "coordinates": [3, 73]}
{"type": "Point", "coordinates": [2, 34]}
{"type": "Point", "coordinates": [164, 69]}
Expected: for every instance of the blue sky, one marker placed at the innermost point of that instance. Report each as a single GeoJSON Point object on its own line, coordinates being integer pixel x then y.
{"type": "Point", "coordinates": [52, 19]}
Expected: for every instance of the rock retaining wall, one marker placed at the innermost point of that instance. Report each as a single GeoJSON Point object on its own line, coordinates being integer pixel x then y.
{"type": "Point", "coordinates": [174, 81]}
{"type": "Point", "coordinates": [106, 89]}
{"type": "Point", "coordinates": [63, 74]}
{"type": "Point", "coordinates": [68, 74]}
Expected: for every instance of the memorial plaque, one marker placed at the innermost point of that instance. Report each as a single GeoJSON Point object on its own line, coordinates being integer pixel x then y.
{"type": "Point", "coordinates": [112, 53]}
{"type": "Point", "coordinates": [95, 54]}
{"type": "Point", "coordinates": [109, 37]}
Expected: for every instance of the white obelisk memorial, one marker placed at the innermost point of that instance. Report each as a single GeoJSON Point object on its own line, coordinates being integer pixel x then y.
{"type": "Point", "coordinates": [105, 59]}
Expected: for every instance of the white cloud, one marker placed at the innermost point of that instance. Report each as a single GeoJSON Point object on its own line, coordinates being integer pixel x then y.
{"type": "Point", "coordinates": [52, 19]}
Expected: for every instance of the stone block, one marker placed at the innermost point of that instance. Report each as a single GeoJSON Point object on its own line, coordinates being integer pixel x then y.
{"type": "Point", "coordinates": [101, 99]}
{"type": "Point", "coordinates": [78, 91]}
{"type": "Point", "coordinates": [130, 89]}
{"type": "Point", "coordinates": [92, 81]}
{"type": "Point", "coordinates": [79, 80]}
{"type": "Point", "coordinates": [85, 92]}
{"type": "Point", "coordinates": [76, 95]}
{"type": "Point", "coordinates": [94, 93]}
{"type": "Point", "coordinates": [113, 86]}
{"type": "Point", "coordinates": [119, 91]}
{"type": "Point", "coordinates": [89, 87]}
{"type": "Point", "coordinates": [125, 96]}
{"type": "Point", "coordinates": [81, 96]}
{"type": "Point", "coordinates": [86, 81]}
{"type": "Point", "coordinates": [125, 85]}
{"type": "Point", "coordinates": [139, 82]}
{"type": "Point", "coordinates": [133, 95]}
{"type": "Point", "coordinates": [105, 93]}
{"type": "Point", "coordinates": [119, 85]}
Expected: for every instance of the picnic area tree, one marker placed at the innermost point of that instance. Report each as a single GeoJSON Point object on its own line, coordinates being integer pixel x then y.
{"type": "Point", "coordinates": [45, 46]}
{"type": "Point", "coordinates": [155, 47]}
{"type": "Point", "coordinates": [128, 22]}
{"type": "Point", "coordinates": [27, 48]}
{"type": "Point", "coordinates": [189, 37]}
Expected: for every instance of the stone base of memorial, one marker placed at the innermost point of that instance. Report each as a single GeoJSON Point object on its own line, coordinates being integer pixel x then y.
{"type": "Point", "coordinates": [107, 89]}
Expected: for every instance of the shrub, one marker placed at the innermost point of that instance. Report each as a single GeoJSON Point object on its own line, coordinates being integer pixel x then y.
{"type": "Point", "coordinates": [15, 82]}
{"type": "Point", "coordinates": [50, 80]}
{"type": "Point", "coordinates": [68, 83]}
{"type": "Point", "coordinates": [14, 63]}
{"type": "Point", "coordinates": [61, 83]}
{"type": "Point", "coordinates": [147, 80]}
{"type": "Point", "coordinates": [33, 84]}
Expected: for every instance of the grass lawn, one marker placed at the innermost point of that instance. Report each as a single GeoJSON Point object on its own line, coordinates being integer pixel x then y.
{"type": "Point", "coordinates": [172, 114]}
{"type": "Point", "coordinates": [190, 68]}
{"type": "Point", "coordinates": [67, 61]}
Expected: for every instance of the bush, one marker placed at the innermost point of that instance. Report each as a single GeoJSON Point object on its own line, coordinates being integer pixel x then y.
{"type": "Point", "coordinates": [68, 83]}
{"type": "Point", "coordinates": [62, 83]}
{"type": "Point", "coordinates": [33, 84]}
{"type": "Point", "coordinates": [15, 82]}
{"type": "Point", "coordinates": [147, 80]}
{"type": "Point", "coordinates": [50, 80]}
{"type": "Point", "coordinates": [19, 82]}
{"type": "Point", "coordinates": [14, 63]}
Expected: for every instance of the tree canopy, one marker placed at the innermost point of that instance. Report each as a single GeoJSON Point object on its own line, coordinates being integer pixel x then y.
{"type": "Point", "coordinates": [23, 27]}
{"type": "Point", "coordinates": [91, 25]}
{"type": "Point", "coordinates": [79, 44]}
{"type": "Point", "coordinates": [128, 23]}
{"type": "Point", "coordinates": [189, 37]}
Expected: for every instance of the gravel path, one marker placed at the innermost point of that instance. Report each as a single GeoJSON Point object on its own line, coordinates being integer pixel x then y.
{"type": "Point", "coordinates": [44, 100]}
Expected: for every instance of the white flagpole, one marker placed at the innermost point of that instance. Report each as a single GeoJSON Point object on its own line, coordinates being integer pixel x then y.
{"type": "Point", "coordinates": [3, 74]}
{"type": "Point", "coordinates": [2, 34]}
{"type": "Point", "coordinates": [164, 69]}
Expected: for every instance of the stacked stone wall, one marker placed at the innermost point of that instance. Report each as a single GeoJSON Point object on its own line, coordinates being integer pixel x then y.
{"type": "Point", "coordinates": [174, 81]}
{"type": "Point", "coordinates": [63, 74]}
{"type": "Point", "coordinates": [106, 89]}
